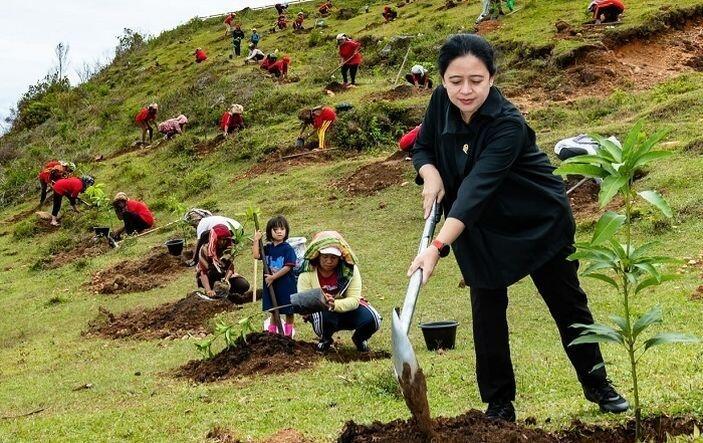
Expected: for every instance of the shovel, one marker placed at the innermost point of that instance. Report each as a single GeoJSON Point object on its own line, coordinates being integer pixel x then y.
{"type": "Point", "coordinates": [407, 370]}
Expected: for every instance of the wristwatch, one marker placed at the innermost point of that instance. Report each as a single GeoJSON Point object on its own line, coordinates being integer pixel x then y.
{"type": "Point", "coordinates": [443, 248]}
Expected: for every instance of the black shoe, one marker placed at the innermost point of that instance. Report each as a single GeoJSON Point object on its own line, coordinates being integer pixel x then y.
{"type": "Point", "coordinates": [361, 346]}
{"type": "Point", "coordinates": [501, 410]}
{"type": "Point", "coordinates": [324, 345]}
{"type": "Point", "coordinates": [607, 397]}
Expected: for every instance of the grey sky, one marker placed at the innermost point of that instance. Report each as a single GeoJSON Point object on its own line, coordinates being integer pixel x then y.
{"type": "Point", "coordinates": [30, 29]}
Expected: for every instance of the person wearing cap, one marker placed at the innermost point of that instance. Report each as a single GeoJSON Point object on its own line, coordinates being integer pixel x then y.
{"type": "Point", "coordinates": [268, 61]}
{"type": "Point", "coordinates": [255, 55]}
{"type": "Point", "coordinates": [216, 264]}
{"type": "Point", "coordinates": [255, 37]}
{"type": "Point", "coordinates": [279, 68]}
{"type": "Point", "coordinates": [321, 118]}
{"type": "Point", "coordinates": [169, 128]}
{"type": "Point", "coordinates": [237, 37]}
{"type": "Point", "coordinates": [203, 221]}
{"type": "Point", "coordinates": [200, 55]}
{"type": "Point", "coordinates": [389, 14]}
{"type": "Point", "coordinates": [606, 11]}
{"type": "Point", "coordinates": [298, 22]}
{"type": "Point", "coordinates": [53, 170]}
{"type": "Point", "coordinates": [331, 266]}
{"type": "Point", "coordinates": [232, 121]}
{"type": "Point", "coordinates": [144, 118]}
{"type": "Point", "coordinates": [70, 188]}
{"type": "Point", "coordinates": [419, 77]}
{"type": "Point", "coordinates": [228, 22]}
{"type": "Point", "coordinates": [136, 215]}
{"type": "Point", "coordinates": [351, 58]}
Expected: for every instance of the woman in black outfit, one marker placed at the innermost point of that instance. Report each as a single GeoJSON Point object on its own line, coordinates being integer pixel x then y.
{"type": "Point", "coordinates": [507, 216]}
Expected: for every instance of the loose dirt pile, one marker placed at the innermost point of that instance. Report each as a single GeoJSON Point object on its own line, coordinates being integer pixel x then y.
{"type": "Point", "coordinates": [87, 248]}
{"type": "Point", "coordinates": [206, 147]}
{"type": "Point", "coordinates": [286, 158]}
{"type": "Point", "coordinates": [400, 92]}
{"type": "Point", "coordinates": [488, 26]}
{"type": "Point", "coordinates": [265, 353]}
{"type": "Point", "coordinates": [175, 320]}
{"type": "Point", "coordinates": [475, 426]}
{"type": "Point", "coordinates": [372, 178]}
{"type": "Point", "coordinates": [154, 271]}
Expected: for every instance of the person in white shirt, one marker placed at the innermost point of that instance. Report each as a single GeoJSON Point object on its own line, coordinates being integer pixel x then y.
{"type": "Point", "coordinates": [203, 221]}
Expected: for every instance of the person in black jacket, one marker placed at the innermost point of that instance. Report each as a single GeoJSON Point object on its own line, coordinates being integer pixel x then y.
{"type": "Point", "coordinates": [237, 37]}
{"type": "Point", "coordinates": [507, 216]}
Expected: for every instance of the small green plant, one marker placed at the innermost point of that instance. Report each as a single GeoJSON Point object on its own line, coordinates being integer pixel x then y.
{"type": "Point", "coordinates": [229, 333]}
{"type": "Point", "coordinates": [629, 269]}
{"type": "Point", "coordinates": [97, 197]}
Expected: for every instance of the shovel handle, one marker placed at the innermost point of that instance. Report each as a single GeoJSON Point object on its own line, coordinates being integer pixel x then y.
{"type": "Point", "coordinates": [406, 315]}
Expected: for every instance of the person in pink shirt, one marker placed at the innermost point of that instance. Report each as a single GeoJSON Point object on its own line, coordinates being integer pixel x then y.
{"type": "Point", "coordinates": [169, 128]}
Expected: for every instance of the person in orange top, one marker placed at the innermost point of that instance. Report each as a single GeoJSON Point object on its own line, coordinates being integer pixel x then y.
{"type": "Point", "coordinates": [232, 121]}
{"type": "Point", "coordinates": [53, 171]}
{"type": "Point", "coordinates": [351, 58]}
{"type": "Point", "coordinates": [200, 55]}
{"type": "Point", "coordinates": [136, 215]}
{"type": "Point", "coordinates": [69, 188]}
{"type": "Point", "coordinates": [144, 118]}
{"type": "Point", "coordinates": [228, 22]}
{"type": "Point", "coordinates": [321, 118]}
{"type": "Point", "coordinates": [280, 68]}
{"type": "Point", "coordinates": [298, 23]}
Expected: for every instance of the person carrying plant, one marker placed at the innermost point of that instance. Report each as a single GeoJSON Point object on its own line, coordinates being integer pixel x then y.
{"type": "Point", "coordinates": [232, 121]}
{"type": "Point", "coordinates": [280, 258]}
{"type": "Point", "coordinates": [419, 77]}
{"type": "Point", "coordinates": [203, 221]}
{"type": "Point", "coordinates": [216, 264]}
{"type": "Point", "coordinates": [51, 172]}
{"type": "Point", "coordinates": [228, 22]}
{"type": "Point", "coordinates": [144, 118]}
{"type": "Point", "coordinates": [279, 69]}
{"type": "Point", "coordinates": [507, 216]}
{"type": "Point", "coordinates": [255, 37]}
{"type": "Point", "coordinates": [351, 58]}
{"type": "Point", "coordinates": [606, 11]}
{"type": "Point", "coordinates": [200, 55]}
{"type": "Point", "coordinates": [389, 14]}
{"type": "Point", "coordinates": [237, 37]}
{"type": "Point", "coordinates": [298, 22]}
{"type": "Point", "coordinates": [255, 55]}
{"type": "Point", "coordinates": [331, 266]}
{"type": "Point", "coordinates": [321, 118]}
{"type": "Point", "coordinates": [173, 126]}
{"type": "Point", "coordinates": [135, 214]}
{"type": "Point", "coordinates": [70, 188]}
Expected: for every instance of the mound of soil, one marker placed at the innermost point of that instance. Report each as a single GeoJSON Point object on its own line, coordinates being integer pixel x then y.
{"type": "Point", "coordinates": [399, 92]}
{"type": "Point", "coordinates": [154, 271]}
{"type": "Point", "coordinates": [206, 147]}
{"type": "Point", "coordinates": [475, 426]}
{"type": "Point", "coordinates": [174, 320]}
{"type": "Point", "coordinates": [265, 353]}
{"type": "Point", "coordinates": [87, 248]}
{"type": "Point", "coordinates": [487, 26]}
{"type": "Point", "coordinates": [335, 87]}
{"type": "Point", "coordinates": [372, 178]}
{"type": "Point", "coordinates": [286, 158]}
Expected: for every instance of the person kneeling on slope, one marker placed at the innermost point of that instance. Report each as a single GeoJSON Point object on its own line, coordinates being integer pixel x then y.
{"type": "Point", "coordinates": [215, 268]}
{"type": "Point", "coordinates": [136, 215]}
{"type": "Point", "coordinates": [279, 69]}
{"type": "Point", "coordinates": [389, 14]}
{"type": "Point", "coordinates": [255, 55]}
{"type": "Point", "coordinates": [232, 121]}
{"type": "Point", "coordinates": [419, 77]}
{"type": "Point", "coordinates": [321, 118]}
{"type": "Point", "coordinates": [200, 55]}
{"type": "Point", "coordinates": [169, 128]}
{"type": "Point", "coordinates": [69, 188]}
{"type": "Point", "coordinates": [606, 11]}
{"type": "Point", "coordinates": [203, 221]}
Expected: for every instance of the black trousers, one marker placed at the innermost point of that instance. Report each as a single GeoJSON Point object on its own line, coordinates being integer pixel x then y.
{"type": "Point", "coordinates": [349, 70]}
{"type": "Point", "coordinates": [364, 321]}
{"type": "Point", "coordinates": [57, 203]}
{"type": "Point", "coordinates": [133, 223]}
{"type": "Point", "coordinates": [237, 43]}
{"type": "Point", "coordinates": [558, 284]}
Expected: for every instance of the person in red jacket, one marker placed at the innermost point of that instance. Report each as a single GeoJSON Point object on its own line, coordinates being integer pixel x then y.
{"type": "Point", "coordinates": [232, 121]}
{"type": "Point", "coordinates": [268, 61]}
{"type": "Point", "coordinates": [136, 215]}
{"type": "Point", "coordinates": [321, 118]}
{"type": "Point", "coordinates": [200, 55]}
{"type": "Point", "coordinates": [407, 141]}
{"type": "Point", "coordinates": [325, 8]}
{"type": "Point", "coordinates": [389, 14]}
{"type": "Point", "coordinates": [298, 23]}
{"type": "Point", "coordinates": [351, 58]}
{"type": "Point", "coordinates": [69, 188]}
{"type": "Point", "coordinates": [282, 23]}
{"type": "Point", "coordinates": [144, 118]}
{"type": "Point", "coordinates": [228, 22]}
{"type": "Point", "coordinates": [53, 171]}
{"type": "Point", "coordinates": [606, 11]}
{"type": "Point", "coordinates": [280, 68]}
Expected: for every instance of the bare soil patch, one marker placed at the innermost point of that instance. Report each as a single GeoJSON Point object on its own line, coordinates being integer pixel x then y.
{"type": "Point", "coordinates": [372, 178]}
{"type": "Point", "coordinates": [475, 426]}
{"type": "Point", "coordinates": [207, 146]}
{"type": "Point", "coordinates": [488, 26]}
{"type": "Point", "coordinates": [399, 92]}
{"type": "Point", "coordinates": [86, 248]}
{"type": "Point", "coordinates": [277, 162]}
{"type": "Point", "coordinates": [153, 271]}
{"type": "Point", "coordinates": [265, 353]}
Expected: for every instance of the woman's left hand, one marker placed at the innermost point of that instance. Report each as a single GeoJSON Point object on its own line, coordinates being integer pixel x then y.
{"type": "Point", "coordinates": [427, 260]}
{"type": "Point", "coordinates": [329, 298]}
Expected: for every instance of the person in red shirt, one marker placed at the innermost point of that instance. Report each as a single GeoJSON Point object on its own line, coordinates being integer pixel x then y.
{"type": "Point", "coordinates": [54, 170]}
{"type": "Point", "coordinates": [228, 22]}
{"type": "Point", "coordinates": [321, 118]}
{"type": "Point", "coordinates": [144, 118]}
{"type": "Point", "coordinates": [136, 215]}
{"type": "Point", "coordinates": [282, 23]}
{"type": "Point", "coordinates": [232, 121]}
{"type": "Point", "coordinates": [606, 11]}
{"type": "Point", "coordinates": [268, 61]}
{"type": "Point", "coordinates": [389, 14]}
{"type": "Point", "coordinates": [280, 68]}
{"type": "Point", "coordinates": [325, 8]}
{"type": "Point", "coordinates": [351, 58]}
{"type": "Point", "coordinates": [298, 23]}
{"type": "Point", "coordinates": [407, 141]}
{"type": "Point", "coordinates": [69, 188]}
{"type": "Point", "coordinates": [200, 55]}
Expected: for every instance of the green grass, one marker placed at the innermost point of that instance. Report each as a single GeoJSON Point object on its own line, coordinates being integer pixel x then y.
{"type": "Point", "coordinates": [44, 357]}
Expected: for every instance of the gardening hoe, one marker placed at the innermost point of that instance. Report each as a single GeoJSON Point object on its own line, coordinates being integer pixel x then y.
{"type": "Point", "coordinates": [395, 83]}
{"type": "Point", "coordinates": [267, 270]}
{"type": "Point", "coordinates": [407, 370]}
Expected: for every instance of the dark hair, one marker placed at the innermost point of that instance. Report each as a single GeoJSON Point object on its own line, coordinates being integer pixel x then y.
{"type": "Point", "coordinates": [278, 221]}
{"type": "Point", "coordinates": [459, 45]}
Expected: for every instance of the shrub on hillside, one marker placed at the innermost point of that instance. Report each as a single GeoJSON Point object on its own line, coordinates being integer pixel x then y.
{"type": "Point", "coordinates": [369, 127]}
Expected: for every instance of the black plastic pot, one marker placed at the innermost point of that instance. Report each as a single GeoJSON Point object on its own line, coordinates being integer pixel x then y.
{"type": "Point", "coordinates": [308, 302]}
{"type": "Point", "coordinates": [101, 231]}
{"type": "Point", "coordinates": [175, 247]}
{"type": "Point", "coordinates": [439, 334]}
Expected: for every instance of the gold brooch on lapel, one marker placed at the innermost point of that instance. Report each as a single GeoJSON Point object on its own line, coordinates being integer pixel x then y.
{"type": "Point", "coordinates": [466, 149]}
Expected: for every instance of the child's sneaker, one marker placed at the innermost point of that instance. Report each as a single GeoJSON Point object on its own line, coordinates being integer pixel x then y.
{"type": "Point", "coordinates": [272, 329]}
{"type": "Point", "coordinates": [288, 330]}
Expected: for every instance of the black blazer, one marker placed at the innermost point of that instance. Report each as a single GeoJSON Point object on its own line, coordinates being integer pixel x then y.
{"type": "Point", "coordinates": [500, 185]}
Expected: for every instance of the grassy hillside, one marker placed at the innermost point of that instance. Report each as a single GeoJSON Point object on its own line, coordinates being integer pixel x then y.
{"type": "Point", "coordinates": [44, 357]}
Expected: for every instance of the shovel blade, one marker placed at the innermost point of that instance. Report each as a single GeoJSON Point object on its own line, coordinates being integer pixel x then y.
{"type": "Point", "coordinates": [403, 352]}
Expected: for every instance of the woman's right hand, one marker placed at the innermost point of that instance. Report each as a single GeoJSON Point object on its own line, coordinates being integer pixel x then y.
{"type": "Point", "coordinates": [433, 190]}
